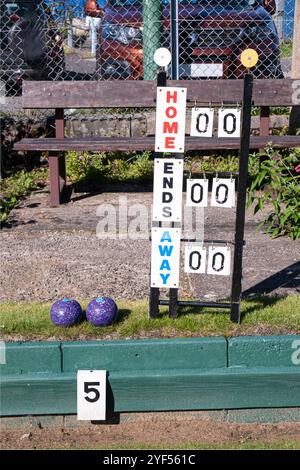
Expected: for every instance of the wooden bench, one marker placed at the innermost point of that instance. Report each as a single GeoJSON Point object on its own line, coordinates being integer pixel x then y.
{"type": "Point", "coordinates": [142, 94]}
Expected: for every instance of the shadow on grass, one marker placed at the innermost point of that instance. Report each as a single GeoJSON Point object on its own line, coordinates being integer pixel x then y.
{"type": "Point", "coordinates": [258, 303]}
{"type": "Point", "coordinates": [248, 306]}
{"type": "Point", "coordinates": [123, 314]}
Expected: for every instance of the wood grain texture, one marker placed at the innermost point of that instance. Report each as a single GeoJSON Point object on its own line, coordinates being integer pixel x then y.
{"type": "Point", "coordinates": [24, 358]}
{"type": "Point", "coordinates": [141, 94]}
{"type": "Point", "coordinates": [151, 391]}
{"type": "Point", "coordinates": [198, 373]}
{"type": "Point", "coordinates": [198, 353]}
{"type": "Point", "coordinates": [54, 179]}
{"type": "Point", "coordinates": [95, 144]}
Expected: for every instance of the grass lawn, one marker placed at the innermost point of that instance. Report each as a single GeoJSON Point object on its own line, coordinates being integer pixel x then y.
{"type": "Point", "coordinates": [256, 445]}
{"type": "Point", "coordinates": [261, 315]}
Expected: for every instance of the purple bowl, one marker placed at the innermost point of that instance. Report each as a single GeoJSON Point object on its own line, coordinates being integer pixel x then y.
{"type": "Point", "coordinates": [102, 311]}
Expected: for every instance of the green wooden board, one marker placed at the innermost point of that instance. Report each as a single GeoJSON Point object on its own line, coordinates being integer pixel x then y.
{"type": "Point", "coordinates": [153, 375]}
{"type": "Point", "coordinates": [191, 353]}
{"type": "Point", "coordinates": [157, 390]}
{"type": "Point", "coordinates": [264, 351]}
{"type": "Point", "coordinates": [23, 358]}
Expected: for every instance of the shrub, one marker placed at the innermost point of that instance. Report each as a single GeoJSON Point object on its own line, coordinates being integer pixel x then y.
{"type": "Point", "coordinates": [277, 185]}
{"type": "Point", "coordinates": [18, 185]}
{"type": "Point", "coordinates": [109, 167]}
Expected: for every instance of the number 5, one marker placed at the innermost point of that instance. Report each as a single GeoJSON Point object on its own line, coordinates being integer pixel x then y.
{"type": "Point", "coordinates": [89, 387]}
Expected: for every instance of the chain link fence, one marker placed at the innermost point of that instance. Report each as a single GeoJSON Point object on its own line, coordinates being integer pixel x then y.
{"type": "Point", "coordinates": [116, 39]}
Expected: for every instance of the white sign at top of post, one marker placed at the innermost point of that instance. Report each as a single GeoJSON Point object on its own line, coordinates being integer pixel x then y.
{"type": "Point", "coordinates": [170, 119]}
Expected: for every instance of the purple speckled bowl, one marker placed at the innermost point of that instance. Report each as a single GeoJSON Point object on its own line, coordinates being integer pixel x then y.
{"type": "Point", "coordinates": [102, 311]}
{"type": "Point", "coordinates": [66, 312]}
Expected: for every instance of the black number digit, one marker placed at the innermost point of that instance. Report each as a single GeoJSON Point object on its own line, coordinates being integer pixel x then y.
{"type": "Point", "coordinates": [193, 193]}
{"type": "Point", "coordinates": [221, 263]}
{"type": "Point", "coordinates": [218, 193]}
{"type": "Point", "coordinates": [202, 131]}
{"type": "Point", "coordinates": [191, 265]}
{"type": "Point", "coordinates": [89, 387]}
{"type": "Point", "coordinates": [225, 123]}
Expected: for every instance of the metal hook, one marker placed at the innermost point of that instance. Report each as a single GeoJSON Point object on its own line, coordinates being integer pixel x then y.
{"type": "Point", "coordinates": [195, 104]}
{"type": "Point", "coordinates": [217, 178]}
{"type": "Point", "coordinates": [204, 176]}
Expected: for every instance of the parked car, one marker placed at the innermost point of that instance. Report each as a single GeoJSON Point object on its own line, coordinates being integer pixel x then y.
{"type": "Point", "coordinates": [30, 44]}
{"type": "Point", "coordinates": [212, 35]}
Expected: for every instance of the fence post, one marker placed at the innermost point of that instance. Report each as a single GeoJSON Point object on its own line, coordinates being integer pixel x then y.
{"type": "Point", "coordinates": [70, 34]}
{"type": "Point", "coordinates": [93, 38]}
{"type": "Point", "coordinates": [294, 123]}
{"type": "Point", "coordinates": [152, 31]}
{"type": "Point", "coordinates": [174, 40]}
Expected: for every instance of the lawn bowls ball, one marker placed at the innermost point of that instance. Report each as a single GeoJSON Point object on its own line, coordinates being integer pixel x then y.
{"type": "Point", "coordinates": [102, 311]}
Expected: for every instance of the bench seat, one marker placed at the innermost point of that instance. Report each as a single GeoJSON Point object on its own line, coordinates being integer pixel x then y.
{"type": "Point", "coordinates": [141, 95]}
{"type": "Point", "coordinates": [95, 144]}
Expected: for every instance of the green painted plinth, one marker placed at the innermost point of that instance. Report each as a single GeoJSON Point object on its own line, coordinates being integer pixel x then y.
{"type": "Point", "coordinates": [154, 375]}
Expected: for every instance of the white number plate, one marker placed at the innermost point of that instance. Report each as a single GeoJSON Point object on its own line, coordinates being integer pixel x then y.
{"type": "Point", "coordinates": [229, 122]}
{"type": "Point", "coordinates": [219, 261]}
{"type": "Point", "coordinates": [91, 395]}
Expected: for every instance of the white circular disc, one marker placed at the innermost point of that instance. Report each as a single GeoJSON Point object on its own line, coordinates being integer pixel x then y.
{"type": "Point", "coordinates": [162, 57]}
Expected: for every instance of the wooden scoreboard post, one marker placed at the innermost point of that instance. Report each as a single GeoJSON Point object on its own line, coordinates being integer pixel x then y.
{"type": "Point", "coordinates": [154, 291]}
{"type": "Point", "coordinates": [236, 289]}
{"type": "Point", "coordinates": [167, 205]}
{"type": "Point", "coordinates": [167, 199]}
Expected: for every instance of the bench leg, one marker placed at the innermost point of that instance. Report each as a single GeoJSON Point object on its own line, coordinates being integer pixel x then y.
{"type": "Point", "coordinates": [264, 125]}
{"type": "Point", "coordinates": [57, 169]}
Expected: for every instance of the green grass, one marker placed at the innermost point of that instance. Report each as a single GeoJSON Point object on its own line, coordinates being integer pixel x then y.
{"type": "Point", "coordinates": [262, 315]}
{"type": "Point", "coordinates": [256, 445]}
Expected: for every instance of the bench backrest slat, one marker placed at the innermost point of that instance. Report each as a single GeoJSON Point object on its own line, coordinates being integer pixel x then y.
{"type": "Point", "coordinates": [141, 94]}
